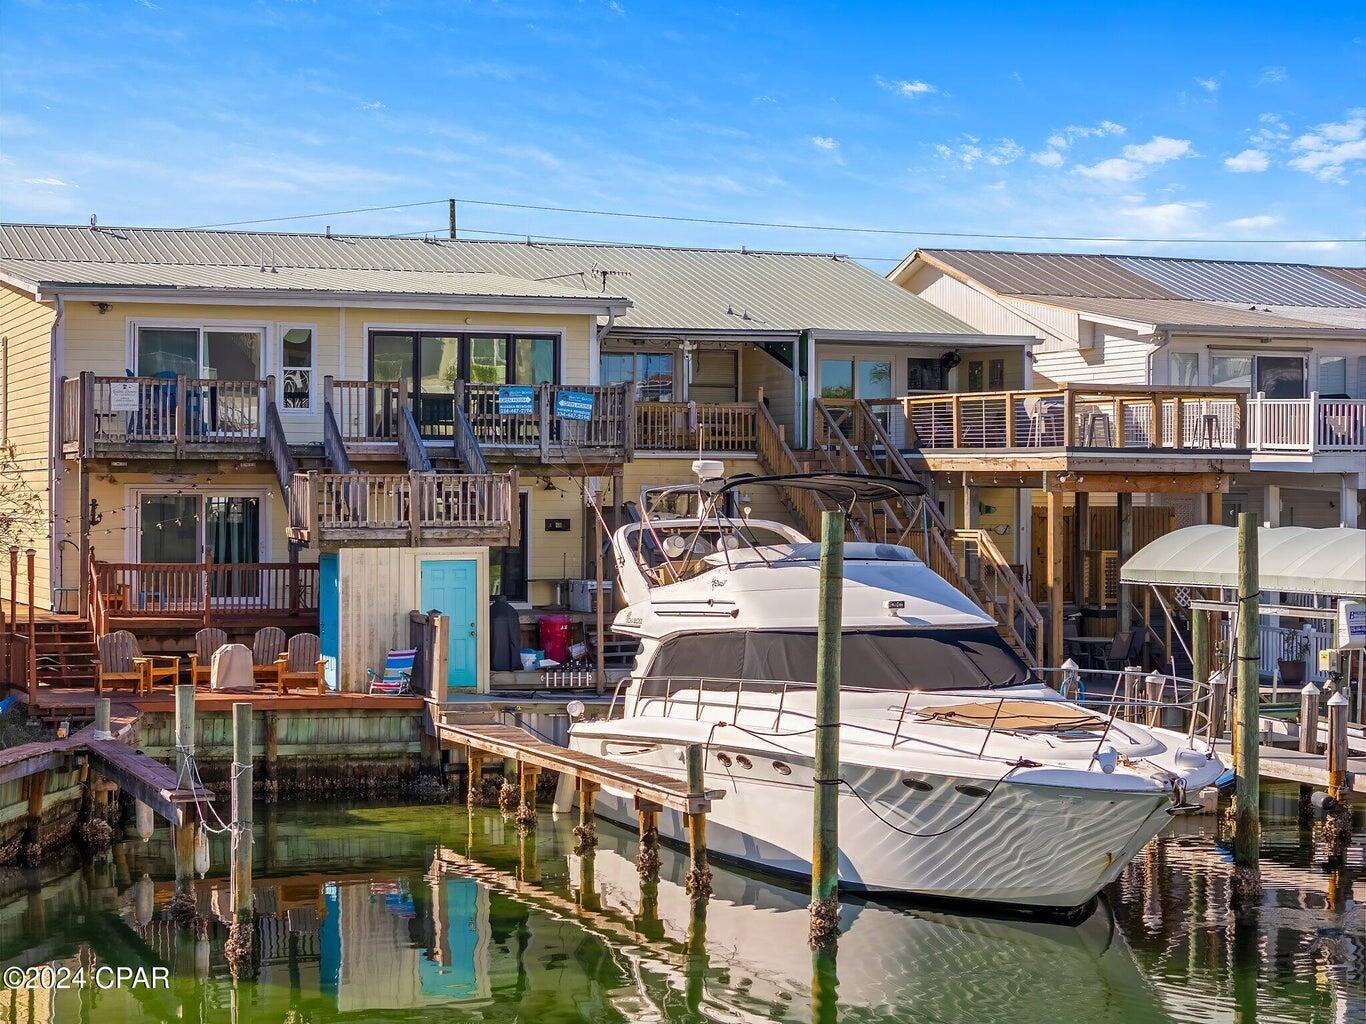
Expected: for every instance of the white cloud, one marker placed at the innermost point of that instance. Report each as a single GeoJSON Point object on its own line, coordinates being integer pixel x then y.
{"type": "Point", "coordinates": [372, 105]}
{"type": "Point", "coordinates": [1272, 74]}
{"type": "Point", "coordinates": [825, 142]}
{"type": "Point", "coordinates": [1047, 157]}
{"type": "Point", "coordinates": [1158, 150]}
{"type": "Point", "coordinates": [1272, 130]}
{"type": "Point", "coordinates": [1114, 169]}
{"type": "Point", "coordinates": [51, 182]}
{"type": "Point", "coordinates": [906, 87]}
{"type": "Point", "coordinates": [1253, 223]}
{"type": "Point", "coordinates": [1164, 218]}
{"type": "Point", "coordinates": [1208, 84]}
{"type": "Point", "coordinates": [1326, 150]}
{"type": "Point", "coordinates": [1249, 161]}
{"type": "Point", "coordinates": [971, 151]}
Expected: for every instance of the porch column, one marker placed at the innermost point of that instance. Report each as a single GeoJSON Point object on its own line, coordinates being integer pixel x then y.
{"type": "Point", "coordinates": [1124, 508]}
{"type": "Point", "coordinates": [1053, 498]}
{"type": "Point", "coordinates": [1271, 505]}
{"type": "Point", "coordinates": [1081, 534]}
{"type": "Point", "coordinates": [83, 517]}
{"type": "Point", "coordinates": [971, 516]}
{"type": "Point", "coordinates": [1214, 508]}
{"type": "Point", "coordinates": [1347, 500]}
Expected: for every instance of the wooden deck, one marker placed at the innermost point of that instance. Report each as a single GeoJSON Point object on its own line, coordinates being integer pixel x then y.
{"type": "Point", "coordinates": [81, 701]}
{"type": "Point", "coordinates": [481, 732]}
{"type": "Point", "coordinates": [1282, 765]}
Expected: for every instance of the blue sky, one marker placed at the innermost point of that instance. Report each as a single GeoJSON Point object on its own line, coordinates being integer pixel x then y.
{"type": "Point", "coordinates": [1194, 121]}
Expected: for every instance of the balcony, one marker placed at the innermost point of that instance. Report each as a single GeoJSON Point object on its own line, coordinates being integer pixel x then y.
{"type": "Point", "coordinates": [125, 594]}
{"type": "Point", "coordinates": [163, 416]}
{"type": "Point", "coordinates": [696, 426]}
{"type": "Point", "coordinates": [335, 509]}
{"type": "Point", "coordinates": [1306, 425]}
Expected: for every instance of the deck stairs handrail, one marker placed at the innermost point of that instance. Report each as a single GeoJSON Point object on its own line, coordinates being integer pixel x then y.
{"type": "Point", "coordinates": [466, 444]}
{"type": "Point", "coordinates": [777, 458]}
{"type": "Point", "coordinates": [278, 446]}
{"type": "Point", "coordinates": [410, 440]}
{"type": "Point", "coordinates": [334, 446]}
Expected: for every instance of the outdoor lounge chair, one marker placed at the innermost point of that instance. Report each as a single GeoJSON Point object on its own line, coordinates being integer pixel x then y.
{"type": "Point", "coordinates": [121, 661]}
{"type": "Point", "coordinates": [266, 648]}
{"type": "Point", "coordinates": [398, 674]}
{"type": "Point", "coordinates": [302, 664]}
{"type": "Point", "coordinates": [206, 642]}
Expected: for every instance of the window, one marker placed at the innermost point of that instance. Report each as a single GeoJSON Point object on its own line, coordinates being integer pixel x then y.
{"type": "Point", "coordinates": [1184, 369]}
{"type": "Point", "coordinates": [837, 378]}
{"type": "Point", "coordinates": [168, 351]}
{"type": "Point", "coordinates": [924, 374]}
{"type": "Point", "coordinates": [534, 361]}
{"type": "Point", "coordinates": [976, 378]}
{"type": "Point", "coordinates": [996, 375]}
{"type": "Point", "coordinates": [1274, 376]}
{"type": "Point", "coordinates": [508, 566]}
{"type": "Point", "coordinates": [488, 360]}
{"type": "Point", "coordinates": [296, 368]}
{"type": "Point", "coordinates": [715, 376]}
{"type": "Point", "coordinates": [874, 378]}
{"type": "Point", "coordinates": [1333, 376]}
{"type": "Point", "coordinates": [653, 373]}
{"type": "Point", "coordinates": [219, 353]}
{"type": "Point", "coordinates": [1231, 372]}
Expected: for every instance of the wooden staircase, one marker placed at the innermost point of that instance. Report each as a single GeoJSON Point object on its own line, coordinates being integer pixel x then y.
{"type": "Point", "coordinates": [65, 652]}
{"type": "Point", "coordinates": [849, 438]}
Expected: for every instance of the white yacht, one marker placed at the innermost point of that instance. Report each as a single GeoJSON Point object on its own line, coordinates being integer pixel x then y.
{"type": "Point", "coordinates": [965, 776]}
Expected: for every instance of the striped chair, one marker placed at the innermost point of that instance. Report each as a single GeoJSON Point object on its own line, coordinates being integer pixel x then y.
{"type": "Point", "coordinates": [398, 674]}
{"type": "Point", "coordinates": [206, 642]}
{"type": "Point", "coordinates": [301, 665]}
{"type": "Point", "coordinates": [266, 648]}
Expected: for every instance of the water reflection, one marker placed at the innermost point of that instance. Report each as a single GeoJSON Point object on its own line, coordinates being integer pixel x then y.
{"type": "Point", "coordinates": [430, 914]}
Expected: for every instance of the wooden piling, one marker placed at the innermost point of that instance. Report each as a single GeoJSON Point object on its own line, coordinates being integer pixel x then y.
{"type": "Point", "coordinates": [826, 770]}
{"type": "Point", "coordinates": [1247, 826]}
{"type": "Point", "coordinates": [1309, 741]}
{"type": "Point", "coordinates": [647, 825]}
{"type": "Point", "coordinates": [526, 809]}
{"type": "Point", "coordinates": [1202, 645]}
{"type": "Point", "coordinates": [184, 830]}
{"type": "Point", "coordinates": [474, 775]}
{"type": "Point", "coordinates": [241, 812]}
{"type": "Point", "coordinates": [586, 832]}
{"type": "Point", "coordinates": [1337, 749]}
{"type": "Point", "coordinates": [699, 874]}
{"type": "Point", "coordinates": [102, 717]}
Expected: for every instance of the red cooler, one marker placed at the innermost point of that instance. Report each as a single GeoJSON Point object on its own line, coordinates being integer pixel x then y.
{"type": "Point", "coordinates": [554, 632]}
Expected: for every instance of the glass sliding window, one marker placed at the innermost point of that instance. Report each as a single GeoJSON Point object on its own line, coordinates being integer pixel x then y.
{"type": "Point", "coordinates": [1185, 369]}
{"type": "Point", "coordinates": [168, 528]}
{"type": "Point", "coordinates": [508, 565]}
{"type": "Point", "coordinates": [715, 376]}
{"type": "Point", "coordinates": [232, 355]}
{"type": "Point", "coordinates": [617, 367]}
{"type": "Point", "coordinates": [296, 366]}
{"type": "Point", "coordinates": [535, 361]}
{"type": "Point", "coordinates": [837, 378]}
{"type": "Point", "coordinates": [438, 359]}
{"type": "Point", "coordinates": [874, 378]}
{"type": "Point", "coordinates": [232, 536]}
{"type": "Point", "coordinates": [391, 357]}
{"type": "Point", "coordinates": [488, 359]}
{"type": "Point", "coordinates": [996, 375]}
{"type": "Point", "coordinates": [1231, 372]}
{"type": "Point", "coordinates": [924, 374]}
{"type": "Point", "coordinates": [168, 351]}
{"type": "Point", "coordinates": [1333, 376]}
{"type": "Point", "coordinates": [655, 376]}
{"type": "Point", "coordinates": [1281, 377]}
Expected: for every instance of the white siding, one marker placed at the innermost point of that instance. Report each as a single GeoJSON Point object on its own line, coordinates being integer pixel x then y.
{"type": "Point", "coordinates": [986, 314]}
{"type": "Point", "coordinates": [1115, 358]}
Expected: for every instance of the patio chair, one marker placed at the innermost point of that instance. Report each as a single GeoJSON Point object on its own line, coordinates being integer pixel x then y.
{"type": "Point", "coordinates": [302, 664]}
{"type": "Point", "coordinates": [121, 661]}
{"type": "Point", "coordinates": [266, 648]}
{"type": "Point", "coordinates": [398, 674]}
{"type": "Point", "coordinates": [1124, 650]}
{"type": "Point", "coordinates": [1044, 413]}
{"type": "Point", "coordinates": [206, 641]}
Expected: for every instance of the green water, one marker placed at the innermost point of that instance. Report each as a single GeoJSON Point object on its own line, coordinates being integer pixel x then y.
{"type": "Point", "coordinates": [390, 913]}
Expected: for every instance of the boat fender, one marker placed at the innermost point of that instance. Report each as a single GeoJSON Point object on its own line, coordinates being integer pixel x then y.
{"type": "Point", "coordinates": [1107, 759]}
{"type": "Point", "coordinates": [201, 851]}
{"type": "Point", "coordinates": [144, 821]}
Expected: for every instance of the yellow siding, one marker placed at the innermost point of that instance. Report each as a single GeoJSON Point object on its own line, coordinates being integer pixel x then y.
{"type": "Point", "coordinates": [27, 327]}
{"type": "Point", "coordinates": [378, 588]}
{"type": "Point", "coordinates": [758, 369]}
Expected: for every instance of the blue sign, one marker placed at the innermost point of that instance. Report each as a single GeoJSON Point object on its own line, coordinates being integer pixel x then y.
{"type": "Point", "coordinates": [516, 400]}
{"type": "Point", "coordinates": [574, 405]}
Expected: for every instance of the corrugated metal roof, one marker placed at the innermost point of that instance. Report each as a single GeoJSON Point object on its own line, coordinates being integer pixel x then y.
{"type": "Point", "coordinates": [1159, 277]}
{"type": "Point", "coordinates": [669, 288]}
{"type": "Point", "coordinates": [1188, 313]}
{"type": "Point", "coordinates": [306, 279]}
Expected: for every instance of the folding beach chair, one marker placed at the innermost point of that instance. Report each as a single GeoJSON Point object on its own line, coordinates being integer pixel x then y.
{"type": "Point", "coordinates": [398, 674]}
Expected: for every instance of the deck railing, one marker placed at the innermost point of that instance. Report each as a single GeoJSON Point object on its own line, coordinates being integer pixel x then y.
{"type": "Point", "coordinates": [696, 426]}
{"type": "Point", "coordinates": [1078, 416]}
{"type": "Point", "coordinates": [609, 429]}
{"type": "Point", "coordinates": [99, 412]}
{"type": "Point", "coordinates": [1308, 425]}
{"type": "Point", "coordinates": [202, 590]}
{"type": "Point", "coordinates": [398, 506]}
{"type": "Point", "coordinates": [365, 410]}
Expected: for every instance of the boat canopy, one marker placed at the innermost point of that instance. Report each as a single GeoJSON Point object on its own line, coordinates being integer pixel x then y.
{"type": "Point", "coordinates": [1293, 559]}
{"type": "Point", "coordinates": [894, 659]}
{"type": "Point", "coordinates": [845, 488]}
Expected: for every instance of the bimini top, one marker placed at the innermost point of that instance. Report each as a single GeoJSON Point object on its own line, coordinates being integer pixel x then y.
{"type": "Point", "coordinates": [1296, 559]}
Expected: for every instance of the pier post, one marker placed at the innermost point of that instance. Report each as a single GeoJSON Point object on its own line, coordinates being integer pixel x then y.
{"type": "Point", "coordinates": [474, 775]}
{"type": "Point", "coordinates": [241, 932]}
{"type": "Point", "coordinates": [825, 847]}
{"type": "Point", "coordinates": [102, 718]}
{"type": "Point", "coordinates": [1309, 741]}
{"type": "Point", "coordinates": [1218, 703]}
{"type": "Point", "coordinates": [1337, 830]}
{"type": "Point", "coordinates": [586, 831]}
{"type": "Point", "coordinates": [1246, 800]}
{"type": "Point", "coordinates": [1202, 645]}
{"type": "Point", "coordinates": [647, 824]}
{"type": "Point", "coordinates": [526, 810]}
{"type": "Point", "coordinates": [699, 874]}
{"type": "Point", "coordinates": [183, 905]}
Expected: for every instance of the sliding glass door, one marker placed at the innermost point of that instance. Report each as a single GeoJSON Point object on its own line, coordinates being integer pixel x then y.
{"type": "Point", "coordinates": [183, 528]}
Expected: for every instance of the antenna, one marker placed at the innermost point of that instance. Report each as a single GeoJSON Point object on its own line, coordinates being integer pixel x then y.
{"type": "Point", "coordinates": [94, 223]}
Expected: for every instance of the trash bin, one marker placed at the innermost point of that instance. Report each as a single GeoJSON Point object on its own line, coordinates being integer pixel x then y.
{"type": "Point", "coordinates": [554, 634]}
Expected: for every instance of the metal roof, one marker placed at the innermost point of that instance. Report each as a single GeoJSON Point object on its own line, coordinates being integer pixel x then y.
{"type": "Point", "coordinates": [1294, 559]}
{"type": "Point", "coordinates": [669, 288]}
{"type": "Point", "coordinates": [1186, 313]}
{"type": "Point", "coordinates": [59, 274]}
{"type": "Point", "coordinates": [1159, 277]}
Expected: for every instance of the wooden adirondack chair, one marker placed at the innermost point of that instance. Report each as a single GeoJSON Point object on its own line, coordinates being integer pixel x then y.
{"type": "Point", "coordinates": [121, 661]}
{"type": "Point", "coordinates": [266, 648]}
{"type": "Point", "coordinates": [206, 642]}
{"type": "Point", "coordinates": [302, 664]}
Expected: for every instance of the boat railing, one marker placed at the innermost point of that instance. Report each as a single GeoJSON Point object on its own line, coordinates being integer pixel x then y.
{"type": "Point", "coordinates": [1126, 695]}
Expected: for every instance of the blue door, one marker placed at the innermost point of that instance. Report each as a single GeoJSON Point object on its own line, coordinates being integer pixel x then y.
{"type": "Point", "coordinates": [449, 586]}
{"type": "Point", "coordinates": [329, 609]}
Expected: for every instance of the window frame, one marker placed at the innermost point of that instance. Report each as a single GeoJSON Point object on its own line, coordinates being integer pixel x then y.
{"type": "Point", "coordinates": [312, 407]}
{"type": "Point", "coordinates": [261, 328]}
{"type": "Point", "coordinates": [464, 333]}
{"type": "Point", "coordinates": [636, 355]}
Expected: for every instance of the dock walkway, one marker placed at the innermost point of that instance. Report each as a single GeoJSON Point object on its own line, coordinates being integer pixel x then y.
{"type": "Point", "coordinates": [1283, 765]}
{"type": "Point", "coordinates": [483, 733]}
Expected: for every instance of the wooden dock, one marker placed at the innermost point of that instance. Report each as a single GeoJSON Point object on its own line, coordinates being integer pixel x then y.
{"type": "Point", "coordinates": [484, 734]}
{"type": "Point", "coordinates": [1280, 764]}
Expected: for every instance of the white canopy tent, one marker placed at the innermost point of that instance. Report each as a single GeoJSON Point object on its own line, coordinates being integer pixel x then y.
{"type": "Point", "coordinates": [1292, 559]}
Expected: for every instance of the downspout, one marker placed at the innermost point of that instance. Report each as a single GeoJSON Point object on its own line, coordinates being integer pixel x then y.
{"type": "Point", "coordinates": [1166, 335]}
{"type": "Point", "coordinates": [57, 361]}
{"type": "Point", "coordinates": [594, 369]}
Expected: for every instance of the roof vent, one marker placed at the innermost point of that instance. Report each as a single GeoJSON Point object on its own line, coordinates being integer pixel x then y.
{"type": "Point", "coordinates": [94, 223]}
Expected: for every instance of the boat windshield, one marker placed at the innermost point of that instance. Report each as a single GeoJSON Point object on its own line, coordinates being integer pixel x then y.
{"type": "Point", "coordinates": [893, 659]}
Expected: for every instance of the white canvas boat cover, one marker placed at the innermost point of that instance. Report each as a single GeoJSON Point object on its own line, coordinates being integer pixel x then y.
{"type": "Point", "coordinates": [1294, 559]}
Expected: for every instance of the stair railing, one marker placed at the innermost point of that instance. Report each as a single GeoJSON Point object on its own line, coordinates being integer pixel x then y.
{"type": "Point", "coordinates": [1003, 592]}
{"type": "Point", "coordinates": [778, 459]}
{"type": "Point", "coordinates": [467, 448]}
{"type": "Point", "coordinates": [277, 444]}
{"type": "Point", "coordinates": [334, 445]}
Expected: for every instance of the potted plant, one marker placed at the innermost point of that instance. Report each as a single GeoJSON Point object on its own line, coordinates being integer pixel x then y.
{"type": "Point", "coordinates": [1293, 669]}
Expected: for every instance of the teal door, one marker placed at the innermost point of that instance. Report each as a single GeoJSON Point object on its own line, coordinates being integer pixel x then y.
{"type": "Point", "coordinates": [329, 611]}
{"type": "Point", "coordinates": [449, 586]}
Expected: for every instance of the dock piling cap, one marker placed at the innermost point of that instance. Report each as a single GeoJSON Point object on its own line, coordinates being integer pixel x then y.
{"type": "Point", "coordinates": [1337, 699]}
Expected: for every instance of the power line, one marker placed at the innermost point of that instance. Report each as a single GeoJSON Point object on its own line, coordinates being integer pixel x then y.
{"type": "Point", "coordinates": [785, 225]}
